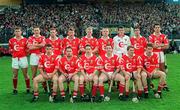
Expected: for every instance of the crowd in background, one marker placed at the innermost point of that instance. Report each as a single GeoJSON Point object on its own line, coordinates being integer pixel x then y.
{"type": "Point", "coordinates": [82, 15]}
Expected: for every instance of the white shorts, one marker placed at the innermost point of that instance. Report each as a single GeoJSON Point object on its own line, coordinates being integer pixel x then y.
{"type": "Point", "coordinates": [19, 63]}
{"type": "Point", "coordinates": [34, 59]}
{"type": "Point", "coordinates": [161, 57]}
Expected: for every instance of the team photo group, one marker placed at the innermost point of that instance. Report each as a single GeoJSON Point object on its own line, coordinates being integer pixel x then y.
{"type": "Point", "coordinates": [76, 68]}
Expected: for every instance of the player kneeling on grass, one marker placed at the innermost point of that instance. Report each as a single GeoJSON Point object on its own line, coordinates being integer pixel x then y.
{"type": "Point", "coordinates": [48, 72]}
{"type": "Point", "coordinates": [109, 71]}
{"type": "Point", "coordinates": [88, 63]}
{"type": "Point", "coordinates": [18, 47]}
{"type": "Point", "coordinates": [130, 69]}
{"type": "Point", "coordinates": [151, 70]}
{"type": "Point", "coordinates": [68, 66]}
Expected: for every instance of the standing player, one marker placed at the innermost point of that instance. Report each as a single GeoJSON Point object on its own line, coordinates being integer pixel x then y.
{"type": "Point", "coordinates": [149, 65]}
{"type": "Point", "coordinates": [18, 47]}
{"type": "Point", "coordinates": [110, 71]}
{"type": "Point", "coordinates": [72, 41]}
{"type": "Point", "coordinates": [35, 45]}
{"type": "Point", "coordinates": [131, 69]}
{"type": "Point", "coordinates": [90, 40]}
{"type": "Point", "coordinates": [55, 42]}
{"type": "Point", "coordinates": [104, 40]}
{"type": "Point", "coordinates": [68, 66]}
{"type": "Point", "coordinates": [121, 42]}
{"type": "Point", "coordinates": [160, 43]}
{"type": "Point", "coordinates": [138, 42]}
{"type": "Point", "coordinates": [88, 71]}
{"type": "Point", "coordinates": [47, 63]}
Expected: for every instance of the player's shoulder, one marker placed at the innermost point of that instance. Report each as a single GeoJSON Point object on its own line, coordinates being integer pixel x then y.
{"type": "Point", "coordinates": [99, 39]}
{"type": "Point", "coordinates": [154, 55]}
{"type": "Point", "coordinates": [42, 55]}
{"type": "Point", "coordinates": [31, 37]}
{"type": "Point", "coordinates": [12, 39]}
{"type": "Point", "coordinates": [124, 56]}
{"type": "Point", "coordinates": [126, 37]}
{"type": "Point", "coordinates": [151, 35]}
{"type": "Point", "coordinates": [75, 57]}
{"type": "Point", "coordinates": [83, 38]}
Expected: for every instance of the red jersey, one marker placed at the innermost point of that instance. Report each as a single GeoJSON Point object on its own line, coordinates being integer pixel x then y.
{"type": "Point", "coordinates": [48, 63]}
{"type": "Point", "coordinates": [18, 47]}
{"type": "Point", "coordinates": [109, 64]}
{"type": "Point", "coordinates": [36, 40]}
{"type": "Point", "coordinates": [74, 43]}
{"type": "Point", "coordinates": [88, 63]}
{"type": "Point", "coordinates": [139, 44]}
{"type": "Point", "coordinates": [130, 64]}
{"type": "Point", "coordinates": [102, 44]}
{"type": "Point", "coordinates": [91, 41]}
{"type": "Point", "coordinates": [149, 63]}
{"type": "Point", "coordinates": [69, 66]}
{"type": "Point", "coordinates": [161, 39]}
{"type": "Point", "coordinates": [56, 44]}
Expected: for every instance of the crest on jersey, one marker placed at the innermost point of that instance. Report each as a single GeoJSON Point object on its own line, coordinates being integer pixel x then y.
{"type": "Point", "coordinates": [47, 64]}
{"type": "Point", "coordinates": [129, 66]}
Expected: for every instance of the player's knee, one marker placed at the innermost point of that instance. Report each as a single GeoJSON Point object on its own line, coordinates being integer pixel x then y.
{"type": "Point", "coordinates": [163, 75]}
{"type": "Point", "coordinates": [35, 80]}
{"type": "Point", "coordinates": [143, 75]}
{"type": "Point", "coordinates": [76, 79]}
{"type": "Point", "coordinates": [60, 80]}
{"type": "Point", "coordinates": [101, 80]}
{"type": "Point", "coordinates": [122, 79]}
{"type": "Point", "coordinates": [127, 78]}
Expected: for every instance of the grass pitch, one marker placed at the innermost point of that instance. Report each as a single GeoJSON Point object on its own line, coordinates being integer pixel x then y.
{"type": "Point", "coordinates": [170, 100]}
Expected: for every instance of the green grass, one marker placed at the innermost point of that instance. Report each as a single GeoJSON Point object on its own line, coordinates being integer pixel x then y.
{"type": "Point", "coordinates": [170, 100]}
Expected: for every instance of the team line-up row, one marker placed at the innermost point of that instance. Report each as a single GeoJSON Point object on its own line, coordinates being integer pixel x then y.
{"type": "Point", "coordinates": [120, 59]}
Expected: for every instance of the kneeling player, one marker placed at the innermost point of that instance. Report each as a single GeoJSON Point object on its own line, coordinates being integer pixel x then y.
{"type": "Point", "coordinates": [48, 72]}
{"type": "Point", "coordinates": [68, 66]}
{"type": "Point", "coordinates": [109, 71]}
{"type": "Point", "coordinates": [151, 70]}
{"type": "Point", "coordinates": [88, 63]}
{"type": "Point", "coordinates": [130, 69]}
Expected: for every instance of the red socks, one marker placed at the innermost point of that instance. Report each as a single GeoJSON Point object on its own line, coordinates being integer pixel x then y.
{"type": "Point", "coordinates": [15, 80]}
{"type": "Point", "coordinates": [81, 89]}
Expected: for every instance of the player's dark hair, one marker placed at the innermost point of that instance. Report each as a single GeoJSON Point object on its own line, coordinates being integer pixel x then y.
{"type": "Point", "coordinates": [109, 45]}
{"type": "Point", "coordinates": [36, 27]}
{"type": "Point", "coordinates": [48, 45]}
{"type": "Point", "coordinates": [156, 24]}
{"type": "Point", "coordinates": [53, 29]}
{"type": "Point", "coordinates": [68, 47]}
{"type": "Point", "coordinates": [149, 45]}
{"type": "Point", "coordinates": [129, 47]}
{"type": "Point", "coordinates": [120, 27]}
{"type": "Point", "coordinates": [137, 27]}
{"type": "Point", "coordinates": [87, 45]}
{"type": "Point", "coordinates": [71, 29]}
{"type": "Point", "coordinates": [17, 28]}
